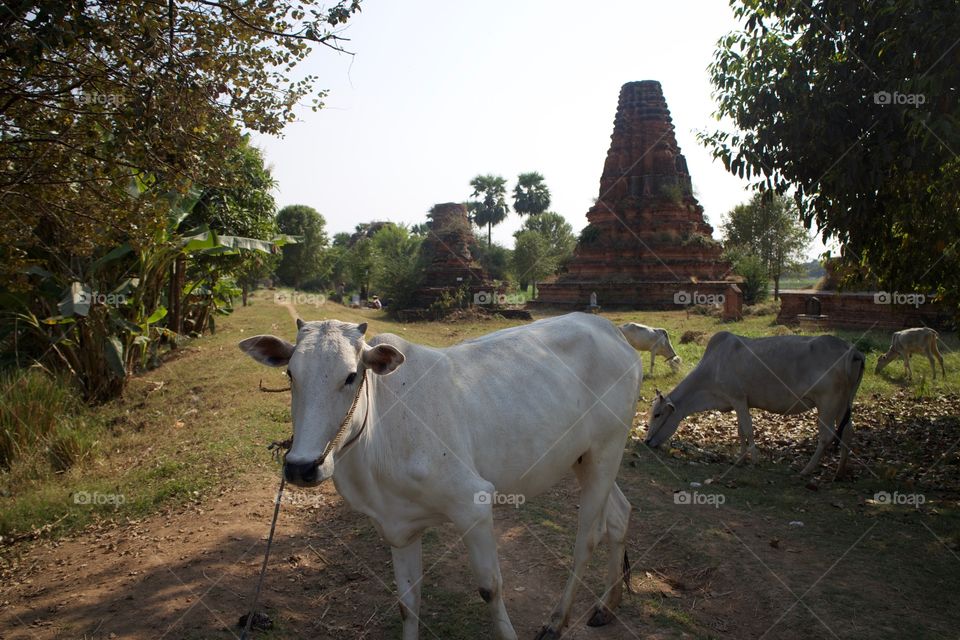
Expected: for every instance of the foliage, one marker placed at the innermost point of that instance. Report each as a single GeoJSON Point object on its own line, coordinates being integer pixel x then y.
{"type": "Point", "coordinates": [853, 107]}
{"type": "Point", "coordinates": [754, 272]}
{"type": "Point", "coordinates": [769, 228]}
{"type": "Point", "coordinates": [397, 271]}
{"type": "Point", "coordinates": [36, 414]}
{"type": "Point", "coordinates": [557, 233]}
{"type": "Point", "coordinates": [492, 208]}
{"type": "Point", "coordinates": [495, 259]}
{"type": "Point", "coordinates": [589, 234]}
{"type": "Point", "coordinates": [531, 196]}
{"type": "Point", "coordinates": [533, 258]}
{"type": "Point", "coordinates": [95, 94]}
{"type": "Point", "coordinates": [304, 261]}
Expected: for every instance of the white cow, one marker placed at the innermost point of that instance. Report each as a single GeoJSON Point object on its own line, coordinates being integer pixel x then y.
{"type": "Point", "coordinates": [910, 341]}
{"type": "Point", "coordinates": [654, 340]}
{"type": "Point", "coordinates": [782, 374]}
{"type": "Point", "coordinates": [451, 429]}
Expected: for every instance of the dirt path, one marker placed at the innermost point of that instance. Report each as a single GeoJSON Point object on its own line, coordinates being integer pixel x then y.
{"type": "Point", "coordinates": [188, 574]}
{"type": "Point", "coordinates": [698, 572]}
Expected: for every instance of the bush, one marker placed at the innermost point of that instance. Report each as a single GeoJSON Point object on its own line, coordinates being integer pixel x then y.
{"type": "Point", "coordinates": [755, 278]}
{"type": "Point", "coordinates": [41, 412]}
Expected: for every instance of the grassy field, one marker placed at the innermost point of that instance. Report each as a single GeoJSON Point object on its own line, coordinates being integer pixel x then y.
{"type": "Point", "coordinates": [185, 431]}
{"type": "Point", "coordinates": [176, 432]}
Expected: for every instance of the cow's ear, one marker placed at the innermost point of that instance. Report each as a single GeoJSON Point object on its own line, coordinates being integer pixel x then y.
{"type": "Point", "coordinates": [362, 328]}
{"type": "Point", "coordinates": [268, 350]}
{"type": "Point", "coordinates": [300, 324]}
{"type": "Point", "coordinates": [382, 359]}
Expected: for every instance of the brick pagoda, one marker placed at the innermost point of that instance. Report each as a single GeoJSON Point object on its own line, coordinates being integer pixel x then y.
{"type": "Point", "coordinates": [647, 243]}
{"type": "Point", "coordinates": [446, 251]}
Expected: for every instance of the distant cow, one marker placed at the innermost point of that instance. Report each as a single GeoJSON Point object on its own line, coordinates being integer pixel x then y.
{"type": "Point", "coordinates": [454, 431]}
{"type": "Point", "coordinates": [782, 374]}
{"type": "Point", "coordinates": [910, 341]}
{"type": "Point", "coordinates": [654, 340]}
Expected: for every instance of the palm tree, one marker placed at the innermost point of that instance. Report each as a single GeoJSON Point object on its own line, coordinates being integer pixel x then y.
{"type": "Point", "coordinates": [492, 208]}
{"type": "Point", "coordinates": [531, 195]}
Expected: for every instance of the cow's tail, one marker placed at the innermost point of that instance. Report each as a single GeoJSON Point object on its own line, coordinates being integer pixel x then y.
{"type": "Point", "coordinates": [856, 365]}
{"type": "Point", "coordinates": [626, 571]}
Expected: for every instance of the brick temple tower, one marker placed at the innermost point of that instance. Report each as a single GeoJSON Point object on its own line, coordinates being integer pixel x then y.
{"type": "Point", "coordinates": [647, 240]}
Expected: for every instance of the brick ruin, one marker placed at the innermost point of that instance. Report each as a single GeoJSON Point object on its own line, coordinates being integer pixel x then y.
{"type": "Point", "coordinates": [647, 244]}
{"type": "Point", "coordinates": [448, 264]}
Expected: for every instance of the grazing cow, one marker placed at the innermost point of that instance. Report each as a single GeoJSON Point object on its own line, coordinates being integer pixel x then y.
{"type": "Point", "coordinates": [451, 429]}
{"type": "Point", "coordinates": [782, 374]}
{"type": "Point", "coordinates": [910, 341]}
{"type": "Point", "coordinates": [654, 340]}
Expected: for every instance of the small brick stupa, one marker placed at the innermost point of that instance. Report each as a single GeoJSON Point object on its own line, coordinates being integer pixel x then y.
{"type": "Point", "coordinates": [647, 244]}
{"type": "Point", "coordinates": [446, 252]}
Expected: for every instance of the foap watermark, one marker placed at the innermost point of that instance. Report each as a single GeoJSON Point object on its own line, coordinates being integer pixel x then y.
{"type": "Point", "coordinates": [896, 498]}
{"type": "Point", "coordinates": [106, 299]}
{"type": "Point", "coordinates": [496, 498]}
{"type": "Point", "coordinates": [314, 299]}
{"type": "Point", "coordinates": [912, 299]}
{"type": "Point", "coordinates": [97, 498]}
{"type": "Point", "coordinates": [685, 298]}
{"type": "Point", "coordinates": [303, 499]}
{"type": "Point", "coordinates": [499, 299]}
{"type": "Point", "coordinates": [912, 99]}
{"type": "Point", "coordinates": [104, 99]}
{"type": "Point", "coordinates": [695, 497]}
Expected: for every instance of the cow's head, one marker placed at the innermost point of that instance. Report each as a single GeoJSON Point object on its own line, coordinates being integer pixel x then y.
{"type": "Point", "coordinates": [884, 360]}
{"type": "Point", "coordinates": [325, 367]}
{"type": "Point", "coordinates": [662, 421]}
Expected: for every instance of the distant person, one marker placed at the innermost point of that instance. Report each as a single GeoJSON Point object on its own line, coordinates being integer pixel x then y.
{"type": "Point", "coordinates": [375, 303]}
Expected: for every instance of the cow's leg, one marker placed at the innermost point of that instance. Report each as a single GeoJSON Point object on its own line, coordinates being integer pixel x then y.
{"type": "Point", "coordinates": [933, 366]}
{"type": "Point", "coordinates": [906, 365]}
{"type": "Point", "coordinates": [616, 517]}
{"type": "Point", "coordinates": [652, 358]}
{"type": "Point", "coordinates": [845, 439]}
{"type": "Point", "coordinates": [596, 481]}
{"type": "Point", "coordinates": [745, 430]}
{"type": "Point", "coordinates": [936, 352]}
{"type": "Point", "coordinates": [475, 524]}
{"type": "Point", "coordinates": [827, 420]}
{"type": "Point", "coordinates": [408, 571]}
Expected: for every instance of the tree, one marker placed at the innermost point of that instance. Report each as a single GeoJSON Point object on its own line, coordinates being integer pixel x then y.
{"type": "Point", "coordinates": [754, 272]}
{"type": "Point", "coordinates": [769, 228]}
{"type": "Point", "coordinates": [492, 208]}
{"type": "Point", "coordinates": [853, 108]}
{"type": "Point", "coordinates": [557, 233]}
{"type": "Point", "coordinates": [532, 257]}
{"type": "Point", "coordinates": [303, 261]}
{"type": "Point", "coordinates": [531, 196]}
{"type": "Point", "coordinates": [396, 271]}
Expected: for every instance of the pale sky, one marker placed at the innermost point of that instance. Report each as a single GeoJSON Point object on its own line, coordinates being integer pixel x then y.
{"type": "Point", "coordinates": [440, 91]}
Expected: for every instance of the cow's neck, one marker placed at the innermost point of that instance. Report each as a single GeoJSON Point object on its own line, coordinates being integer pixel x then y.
{"type": "Point", "coordinates": [693, 395]}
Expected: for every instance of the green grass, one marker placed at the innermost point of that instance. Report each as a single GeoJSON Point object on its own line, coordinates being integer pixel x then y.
{"type": "Point", "coordinates": [196, 423]}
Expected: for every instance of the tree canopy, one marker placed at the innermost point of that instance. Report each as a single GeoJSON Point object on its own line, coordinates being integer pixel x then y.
{"type": "Point", "coordinates": [492, 208]}
{"type": "Point", "coordinates": [302, 262]}
{"type": "Point", "coordinates": [769, 228]}
{"type": "Point", "coordinates": [853, 108]}
{"type": "Point", "coordinates": [531, 196]}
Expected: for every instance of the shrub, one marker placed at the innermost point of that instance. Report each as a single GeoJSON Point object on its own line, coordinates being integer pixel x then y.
{"type": "Point", "coordinates": [41, 412]}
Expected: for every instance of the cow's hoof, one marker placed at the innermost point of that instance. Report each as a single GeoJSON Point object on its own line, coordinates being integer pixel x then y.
{"type": "Point", "coordinates": [601, 616]}
{"type": "Point", "coordinates": [547, 633]}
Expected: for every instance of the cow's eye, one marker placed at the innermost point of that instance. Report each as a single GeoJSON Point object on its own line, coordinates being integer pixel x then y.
{"type": "Point", "coordinates": [656, 415]}
{"type": "Point", "coordinates": [351, 378]}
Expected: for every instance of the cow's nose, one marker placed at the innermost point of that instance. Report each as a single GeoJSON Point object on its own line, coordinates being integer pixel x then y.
{"type": "Point", "coordinates": [300, 472]}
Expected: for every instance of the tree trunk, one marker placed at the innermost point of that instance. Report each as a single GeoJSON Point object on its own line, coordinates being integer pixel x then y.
{"type": "Point", "coordinates": [244, 289]}
{"type": "Point", "coordinates": [776, 287]}
{"type": "Point", "coordinates": [489, 230]}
